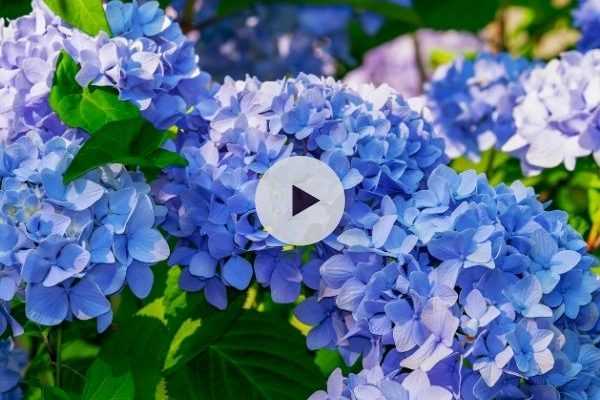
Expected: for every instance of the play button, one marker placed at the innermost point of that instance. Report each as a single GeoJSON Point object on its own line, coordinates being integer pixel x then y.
{"type": "Point", "coordinates": [300, 200]}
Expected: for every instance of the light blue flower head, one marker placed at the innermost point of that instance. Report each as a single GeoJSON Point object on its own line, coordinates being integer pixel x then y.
{"type": "Point", "coordinates": [68, 247]}
{"type": "Point", "coordinates": [377, 145]}
{"type": "Point", "coordinates": [472, 101]}
{"type": "Point", "coordinates": [558, 118]}
{"type": "Point", "coordinates": [488, 291]}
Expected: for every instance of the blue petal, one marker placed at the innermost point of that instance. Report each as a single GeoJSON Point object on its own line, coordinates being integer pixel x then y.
{"type": "Point", "coordinates": [46, 305]}
{"type": "Point", "coordinates": [148, 246]}
{"type": "Point", "coordinates": [203, 265]}
{"type": "Point", "coordinates": [140, 279]}
{"type": "Point", "coordinates": [87, 300]}
{"type": "Point", "coordinates": [237, 272]}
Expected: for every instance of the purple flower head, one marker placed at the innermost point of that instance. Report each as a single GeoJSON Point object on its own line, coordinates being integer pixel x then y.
{"type": "Point", "coordinates": [373, 384]}
{"type": "Point", "coordinates": [30, 47]}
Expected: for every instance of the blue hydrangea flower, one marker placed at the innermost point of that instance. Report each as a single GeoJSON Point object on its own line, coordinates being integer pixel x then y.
{"type": "Point", "coordinates": [587, 18]}
{"type": "Point", "coordinates": [66, 248]}
{"type": "Point", "coordinates": [370, 137]}
{"type": "Point", "coordinates": [472, 101]}
{"type": "Point", "coordinates": [12, 365]}
{"type": "Point", "coordinates": [479, 304]}
{"type": "Point", "coordinates": [270, 41]}
{"type": "Point", "coordinates": [557, 119]}
{"type": "Point", "coordinates": [149, 61]}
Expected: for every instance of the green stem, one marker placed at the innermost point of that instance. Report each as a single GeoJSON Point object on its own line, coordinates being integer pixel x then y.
{"type": "Point", "coordinates": [489, 168]}
{"type": "Point", "coordinates": [58, 359]}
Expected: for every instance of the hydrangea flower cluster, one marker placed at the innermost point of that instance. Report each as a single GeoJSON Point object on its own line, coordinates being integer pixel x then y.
{"type": "Point", "coordinates": [472, 102]}
{"type": "Point", "coordinates": [381, 64]}
{"type": "Point", "coordinates": [29, 48]}
{"type": "Point", "coordinates": [587, 19]}
{"type": "Point", "coordinates": [494, 299]}
{"type": "Point", "coordinates": [558, 118]}
{"type": "Point", "coordinates": [149, 61]}
{"type": "Point", "coordinates": [12, 364]}
{"type": "Point", "coordinates": [66, 248]}
{"type": "Point", "coordinates": [370, 137]}
{"type": "Point", "coordinates": [270, 41]}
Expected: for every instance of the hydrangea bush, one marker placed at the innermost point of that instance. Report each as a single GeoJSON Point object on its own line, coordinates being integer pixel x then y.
{"type": "Point", "coordinates": [117, 152]}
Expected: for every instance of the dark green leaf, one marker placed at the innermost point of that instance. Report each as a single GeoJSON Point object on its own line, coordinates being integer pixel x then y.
{"type": "Point", "coordinates": [466, 15]}
{"type": "Point", "coordinates": [105, 383]}
{"type": "Point", "coordinates": [108, 145]}
{"type": "Point", "coordinates": [137, 346]}
{"type": "Point", "coordinates": [123, 142]}
{"type": "Point", "coordinates": [201, 328]}
{"type": "Point", "coordinates": [14, 8]}
{"type": "Point", "coordinates": [88, 108]}
{"type": "Point", "coordinates": [258, 358]}
{"type": "Point", "coordinates": [86, 15]}
{"type": "Point", "coordinates": [384, 8]}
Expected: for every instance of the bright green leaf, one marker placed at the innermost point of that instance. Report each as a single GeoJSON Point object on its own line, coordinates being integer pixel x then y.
{"type": "Point", "coordinates": [88, 108]}
{"type": "Point", "coordinates": [55, 393]}
{"type": "Point", "coordinates": [594, 204]}
{"type": "Point", "coordinates": [118, 133]}
{"type": "Point", "coordinates": [106, 383]}
{"type": "Point", "coordinates": [85, 15]}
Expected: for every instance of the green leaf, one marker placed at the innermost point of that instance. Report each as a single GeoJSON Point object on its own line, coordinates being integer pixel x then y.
{"type": "Point", "coordinates": [594, 204]}
{"type": "Point", "coordinates": [259, 357]}
{"type": "Point", "coordinates": [106, 383]}
{"type": "Point", "coordinates": [55, 393]}
{"type": "Point", "coordinates": [89, 108]}
{"type": "Point", "coordinates": [14, 8]}
{"type": "Point", "coordinates": [137, 347]}
{"type": "Point", "coordinates": [384, 8]}
{"type": "Point", "coordinates": [118, 133]}
{"type": "Point", "coordinates": [466, 15]}
{"type": "Point", "coordinates": [108, 145]}
{"type": "Point", "coordinates": [195, 334]}
{"type": "Point", "coordinates": [86, 15]}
